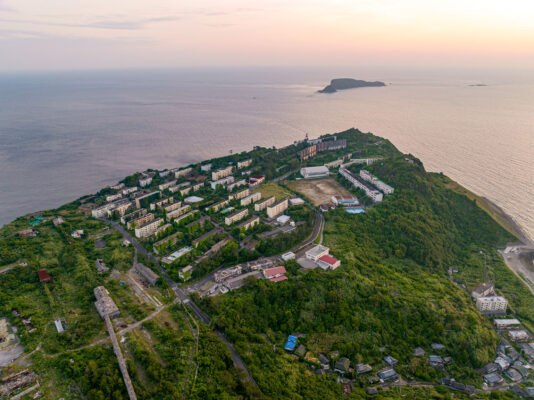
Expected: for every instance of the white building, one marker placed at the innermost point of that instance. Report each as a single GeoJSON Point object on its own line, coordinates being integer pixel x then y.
{"type": "Point", "coordinates": [314, 172]}
{"type": "Point", "coordinates": [148, 228]}
{"type": "Point", "coordinates": [262, 205]}
{"type": "Point", "coordinates": [221, 173]}
{"type": "Point", "coordinates": [237, 216]}
{"type": "Point", "coordinates": [288, 256]}
{"type": "Point", "coordinates": [384, 187]}
{"type": "Point", "coordinates": [518, 336]}
{"type": "Point", "coordinates": [317, 252]}
{"type": "Point", "coordinates": [296, 201]}
{"type": "Point", "coordinates": [205, 167]}
{"type": "Point", "coordinates": [252, 198]}
{"type": "Point", "coordinates": [223, 182]}
{"type": "Point", "coordinates": [244, 163]}
{"type": "Point", "coordinates": [373, 194]}
{"type": "Point", "coordinates": [492, 304]}
{"type": "Point", "coordinates": [146, 179]}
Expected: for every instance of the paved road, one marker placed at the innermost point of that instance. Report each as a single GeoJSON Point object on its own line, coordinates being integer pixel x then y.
{"type": "Point", "coordinates": [317, 230]}
{"type": "Point", "coordinates": [182, 296]}
{"type": "Point", "coordinates": [282, 177]}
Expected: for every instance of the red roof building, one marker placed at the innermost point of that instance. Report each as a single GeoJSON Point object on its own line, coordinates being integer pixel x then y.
{"type": "Point", "coordinates": [328, 262]}
{"type": "Point", "coordinates": [273, 272]}
{"type": "Point", "coordinates": [44, 276]}
{"type": "Point", "coordinates": [278, 278]}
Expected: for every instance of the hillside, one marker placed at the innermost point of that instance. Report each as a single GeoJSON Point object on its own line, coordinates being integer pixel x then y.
{"type": "Point", "coordinates": [393, 292]}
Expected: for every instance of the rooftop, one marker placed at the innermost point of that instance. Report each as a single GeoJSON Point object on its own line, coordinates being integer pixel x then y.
{"type": "Point", "coordinates": [270, 272]}
{"type": "Point", "coordinates": [328, 259]}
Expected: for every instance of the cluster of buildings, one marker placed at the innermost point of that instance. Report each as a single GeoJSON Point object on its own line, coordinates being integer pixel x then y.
{"type": "Point", "coordinates": [319, 257]}
{"type": "Point", "coordinates": [487, 301]}
{"type": "Point", "coordinates": [321, 145]}
{"type": "Point", "coordinates": [358, 182]}
{"type": "Point", "coordinates": [104, 303]}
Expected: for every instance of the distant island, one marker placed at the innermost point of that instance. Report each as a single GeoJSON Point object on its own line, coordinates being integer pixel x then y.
{"type": "Point", "coordinates": [348, 83]}
{"type": "Point", "coordinates": [478, 84]}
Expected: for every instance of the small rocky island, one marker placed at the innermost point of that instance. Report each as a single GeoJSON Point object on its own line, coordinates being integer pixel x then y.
{"type": "Point", "coordinates": [348, 83]}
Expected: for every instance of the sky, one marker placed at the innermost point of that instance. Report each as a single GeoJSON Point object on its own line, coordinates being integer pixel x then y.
{"type": "Point", "coordinates": [87, 34]}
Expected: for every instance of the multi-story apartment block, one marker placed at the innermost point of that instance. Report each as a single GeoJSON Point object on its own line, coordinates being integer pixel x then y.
{"type": "Point", "coordinates": [148, 228]}
{"type": "Point", "coordinates": [172, 207]}
{"type": "Point", "coordinates": [263, 204]}
{"type": "Point", "coordinates": [182, 172]}
{"type": "Point", "coordinates": [493, 305]}
{"type": "Point", "coordinates": [144, 196]}
{"type": "Point", "coordinates": [237, 216]}
{"type": "Point", "coordinates": [197, 186]}
{"type": "Point", "coordinates": [146, 179]}
{"type": "Point", "coordinates": [217, 206]}
{"type": "Point", "coordinates": [244, 163]}
{"type": "Point", "coordinates": [178, 212]}
{"type": "Point", "coordinates": [384, 187]}
{"type": "Point", "coordinates": [372, 193]}
{"type": "Point", "coordinates": [239, 195]}
{"type": "Point", "coordinates": [250, 223]}
{"type": "Point", "coordinates": [140, 220]}
{"type": "Point", "coordinates": [221, 173]}
{"type": "Point", "coordinates": [254, 197]}
{"type": "Point", "coordinates": [161, 203]}
{"type": "Point", "coordinates": [277, 208]}
{"type": "Point", "coordinates": [112, 197]}
{"type": "Point", "coordinates": [129, 190]}
{"type": "Point", "coordinates": [223, 182]}
{"type": "Point", "coordinates": [166, 185]}
{"type": "Point", "coordinates": [232, 186]}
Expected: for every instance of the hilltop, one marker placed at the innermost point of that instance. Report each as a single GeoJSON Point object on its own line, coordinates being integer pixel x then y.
{"type": "Point", "coordinates": [214, 291]}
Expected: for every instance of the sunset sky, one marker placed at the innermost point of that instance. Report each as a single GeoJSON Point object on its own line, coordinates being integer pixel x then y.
{"type": "Point", "coordinates": [53, 34]}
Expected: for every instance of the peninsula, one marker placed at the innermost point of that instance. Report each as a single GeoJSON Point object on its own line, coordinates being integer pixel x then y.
{"type": "Point", "coordinates": [348, 83]}
{"type": "Point", "coordinates": [336, 267]}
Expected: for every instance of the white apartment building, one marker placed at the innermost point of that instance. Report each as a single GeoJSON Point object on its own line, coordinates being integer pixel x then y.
{"type": "Point", "coordinates": [112, 197]}
{"type": "Point", "coordinates": [166, 185]}
{"type": "Point", "coordinates": [241, 182]}
{"type": "Point", "coordinates": [129, 190]}
{"type": "Point", "coordinates": [237, 216]}
{"type": "Point", "coordinates": [492, 304]}
{"type": "Point", "coordinates": [148, 229]}
{"type": "Point", "coordinates": [254, 197]}
{"type": "Point", "coordinates": [223, 181]}
{"type": "Point", "coordinates": [178, 212]}
{"type": "Point", "coordinates": [277, 208]}
{"type": "Point", "coordinates": [182, 172]}
{"type": "Point", "coordinates": [384, 187]}
{"type": "Point", "coordinates": [374, 194]}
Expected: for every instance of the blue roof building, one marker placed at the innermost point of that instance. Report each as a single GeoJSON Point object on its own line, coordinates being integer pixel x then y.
{"type": "Point", "coordinates": [291, 343]}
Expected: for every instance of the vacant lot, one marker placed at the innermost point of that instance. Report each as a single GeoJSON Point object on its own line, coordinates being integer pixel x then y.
{"type": "Point", "coordinates": [272, 189]}
{"type": "Point", "coordinates": [319, 191]}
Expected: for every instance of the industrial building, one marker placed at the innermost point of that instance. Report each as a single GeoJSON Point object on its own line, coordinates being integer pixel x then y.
{"type": "Point", "coordinates": [314, 172]}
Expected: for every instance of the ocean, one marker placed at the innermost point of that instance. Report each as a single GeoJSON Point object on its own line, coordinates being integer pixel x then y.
{"type": "Point", "coordinates": [67, 134]}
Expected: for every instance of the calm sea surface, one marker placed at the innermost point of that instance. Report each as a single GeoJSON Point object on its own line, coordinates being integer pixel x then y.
{"type": "Point", "coordinates": [63, 135]}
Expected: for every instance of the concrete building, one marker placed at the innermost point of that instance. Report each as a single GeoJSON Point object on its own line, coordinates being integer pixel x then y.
{"type": "Point", "coordinates": [345, 201]}
{"type": "Point", "coordinates": [178, 212]}
{"type": "Point", "coordinates": [239, 195]}
{"type": "Point", "coordinates": [308, 152]}
{"type": "Point", "coordinates": [129, 190]}
{"type": "Point", "coordinates": [101, 266]}
{"type": "Point", "coordinates": [288, 256]}
{"type": "Point", "coordinates": [237, 216]}
{"type": "Point", "coordinates": [334, 164]}
{"type": "Point", "coordinates": [384, 187]}
{"type": "Point", "coordinates": [519, 336]}
{"type": "Point", "coordinates": [148, 228]}
{"type": "Point", "coordinates": [112, 197]}
{"type": "Point", "coordinates": [483, 290]}
{"type": "Point", "coordinates": [172, 206]}
{"type": "Point", "coordinates": [255, 220]}
{"type": "Point", "coordinates": [205, 167]}
{"type": "Point", "coordinates": [164, 173]}
{"type": "Point", "coordinates": [236, 184]}
{"type": "Point", "coordinates": [224, 182]}
{"type": "Point", "coordinates": [217, 206]}
{"type": "Point", "coordinates": [167, 185]}
{"type": "Point", "coordinates": [327, 262]}
{"type": "Point", "coordinates": [185, 273]}
{"type": "Point", "coordinates": [182, 172]}
{"type": "Point", "coordinates": [372, 193]}
{"type": "Point", "coordinates": [221, 173]}
{"type": "Point", "coordinates": [176, 255]}
{"type": "Point", "coordinates": [104, 303]}
{"type": "Point", "coordinates": [277, 208]}
{"type": "Point", "coordinates": [263, 204]}
{"type": "Point", "coordinates": [197, 186]}
{"type": "Point", "coordinates": [139, 221]}
{"type": "Point", "coordinates": [314, 172]}
{"type": "Point", "coordinates": [492, 305]}
{"type": "Point", "coordinates": [275, 274]}
{"type": "Point", "coordinates": [296, 201]}
{"type": "Point", "coordinates": [506, 323]}
{"type": "Point", "coordinates": [256, 180]}
{"type": "Point", "coordinates": [252, 198]}
{"type": "Point", "coordinates": [205, 236]}
{"type": "Point", "coordinates": [328, 145]}
{"type": "Point", "coordinates": [244, 163]}
{"type": "Point", "coordinates": [161, 203]}
{"type": "Point", "coordinates": [146, 179]}
{"type": "Point", "coordinates": [133, 215]}
{"type": "Point", "coordinates": [149, 275]}
{"type": "Point", "coordinates": [317, 252]}
{"type": "Point", "coordinates": [27, 233]}
{"type": "Point", "coordinates": [145, 196]}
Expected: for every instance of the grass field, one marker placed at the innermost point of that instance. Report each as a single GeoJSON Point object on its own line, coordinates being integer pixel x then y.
{"type": "Point", "coordinates": [319, 191]}
{"type": "Point", "coordinates": [272, 189]}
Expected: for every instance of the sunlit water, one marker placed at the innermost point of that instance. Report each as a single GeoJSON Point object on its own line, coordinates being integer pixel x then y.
{"type": "Point", "coordinates": [64, 135]}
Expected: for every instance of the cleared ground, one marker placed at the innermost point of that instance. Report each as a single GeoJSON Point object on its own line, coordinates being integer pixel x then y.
{"type": "Point", "coordinates": [319, 191]}
{"type": "Point", "coordinates": [272, 189]}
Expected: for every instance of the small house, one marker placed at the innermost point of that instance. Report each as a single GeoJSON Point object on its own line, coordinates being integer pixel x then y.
{"type": "Point", "coordinates": [391, 361]}
{"type": "Point", "coordinates": [44, 276]}
{"type": "Point", "coordinates": [363, 368]}
{"type": "Point", "coordinates": [342, 365]}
